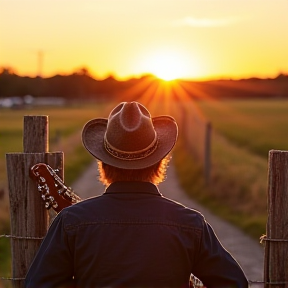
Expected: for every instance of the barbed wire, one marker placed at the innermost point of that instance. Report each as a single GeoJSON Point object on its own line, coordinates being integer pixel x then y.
{"type": "Point", "coordinates": [12, 279]}
{"type": "Point", "coordinates": [267, 239]}
{"type": "Point", "coordinates": [249, 281]}
{"type": "Point", "coordinates": [263, 238]}
{"type": "Point", "coordinates": [21, 237]}
{"type": "Point", "coordinates": [18, 237]}
{"type": "Point", "coordinates": [268, 283]}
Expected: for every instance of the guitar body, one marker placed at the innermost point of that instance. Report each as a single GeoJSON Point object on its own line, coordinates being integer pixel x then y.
{"type": "Point", "coordinates": [53, 191]}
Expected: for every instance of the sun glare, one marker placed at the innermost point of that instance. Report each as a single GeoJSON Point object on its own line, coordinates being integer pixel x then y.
{"type": "Point", "coordinates": [167, 66]}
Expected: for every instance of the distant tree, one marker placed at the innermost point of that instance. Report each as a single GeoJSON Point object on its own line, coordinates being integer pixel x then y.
{"type": "Point", "coordinates": [7, 71]}
{"type": "Point", "coordinates": [83, 71]}
{"type": "Point", "coordinates": [282, 77]}
{"type": "Point", "coordinates": [7, 81]}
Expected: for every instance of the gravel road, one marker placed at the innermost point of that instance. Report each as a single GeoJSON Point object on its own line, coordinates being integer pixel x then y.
{"type": "Point", "coordinates": [248, 252]}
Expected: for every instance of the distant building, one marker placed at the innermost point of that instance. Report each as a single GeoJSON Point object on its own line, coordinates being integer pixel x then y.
{"type": "Point", "coordinates": [28, 101]}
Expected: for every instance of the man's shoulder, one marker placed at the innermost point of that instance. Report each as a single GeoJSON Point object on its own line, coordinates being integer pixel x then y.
{"type": "Point", "coordinates": [181, 206]}
{"type": "Point", "coordinates": [186, 215]}
{"type": "Point", "coordinates": [80, 209]}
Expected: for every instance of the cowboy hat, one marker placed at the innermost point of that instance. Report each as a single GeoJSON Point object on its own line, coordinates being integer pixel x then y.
{"type": "Point", "coordinates": [130, 138]}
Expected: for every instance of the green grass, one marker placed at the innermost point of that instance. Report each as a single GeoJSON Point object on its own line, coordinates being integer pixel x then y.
{"type": "Point", "coordinates": [257, 125]}
{"type": "Point", "coordinates": [243, 134]}
{"type": "Point", "coordinates": [64, 122]}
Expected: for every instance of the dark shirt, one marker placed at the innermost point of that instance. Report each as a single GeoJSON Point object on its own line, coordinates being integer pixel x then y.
{"type": "Point", "coordinates": [132, 236]}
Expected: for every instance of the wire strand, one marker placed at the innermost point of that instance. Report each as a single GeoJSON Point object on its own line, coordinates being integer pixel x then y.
{"type": "Point", "coordinates": [12, 279]}
{"type": "Point", "coordinates": [265, 238]}
{"type": "Point", "coordinates": [21, 237]}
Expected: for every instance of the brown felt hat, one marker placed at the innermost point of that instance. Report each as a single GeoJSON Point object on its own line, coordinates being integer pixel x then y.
{"type": "Point", "coordinates": [130, 138]}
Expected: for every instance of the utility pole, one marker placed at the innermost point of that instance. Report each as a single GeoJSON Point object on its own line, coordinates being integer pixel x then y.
{"type": "Point", "coordinates": [40, 62]}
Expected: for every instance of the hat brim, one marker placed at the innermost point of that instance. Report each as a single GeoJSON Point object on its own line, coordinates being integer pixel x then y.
{"type": "Point", "coordinates": [93, 140]}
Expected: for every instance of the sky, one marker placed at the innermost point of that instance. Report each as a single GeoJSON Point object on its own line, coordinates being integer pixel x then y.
{"type": "Point", "coordinates": [188, 39]}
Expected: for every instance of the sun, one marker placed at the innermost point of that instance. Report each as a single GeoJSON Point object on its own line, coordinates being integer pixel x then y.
{"type": "Point", "coordinates": [167, 65]}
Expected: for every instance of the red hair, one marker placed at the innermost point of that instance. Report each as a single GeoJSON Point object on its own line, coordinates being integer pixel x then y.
{"type": "Point", "coordinates": [154, 174]}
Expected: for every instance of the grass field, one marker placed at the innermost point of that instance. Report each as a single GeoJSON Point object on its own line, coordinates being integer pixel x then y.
{"type": "Point", "coordinates": [243, 132]}
{"type": "Point", "coordinates": [257, 125]}
{"type": "Point", "coordinates": [65, 124]}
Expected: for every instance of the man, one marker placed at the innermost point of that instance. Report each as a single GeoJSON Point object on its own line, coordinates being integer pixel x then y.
{"type": "Point", "coordinates": [131, 236]}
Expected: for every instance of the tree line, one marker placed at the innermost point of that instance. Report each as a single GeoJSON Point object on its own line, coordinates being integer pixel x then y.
{"type": "Point", "coordinates": [74, 86]}
{"type": "Point", "coordinates": [81, 85]}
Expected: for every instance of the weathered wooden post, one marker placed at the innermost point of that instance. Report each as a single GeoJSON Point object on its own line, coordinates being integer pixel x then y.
{"type": "Point", "coordinates": [207, 153]}
{"type": "Point", "coordinates": [276, 246]}
{"type": "Point", "coordinates": [29, 218]}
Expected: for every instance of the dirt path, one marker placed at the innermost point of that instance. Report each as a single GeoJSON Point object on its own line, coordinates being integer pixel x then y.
{"type": "Point", "coordinates": [247, 251]}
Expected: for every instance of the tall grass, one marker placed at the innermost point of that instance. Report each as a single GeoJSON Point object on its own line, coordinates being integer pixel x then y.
{"type": "Point", "coordinates": [237, 190]}
{"type": "Point", "coordinates": [243, 134]}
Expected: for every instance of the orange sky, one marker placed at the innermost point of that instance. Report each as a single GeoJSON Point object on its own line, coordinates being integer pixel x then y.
{"type": "Point", "coordinates": [170, 38]}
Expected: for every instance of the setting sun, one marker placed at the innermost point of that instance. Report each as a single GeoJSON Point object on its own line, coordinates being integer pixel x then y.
{"type": "Point", "coordinates": [167, 65]}
{"type": "Point", "coordinates": [197, 40]}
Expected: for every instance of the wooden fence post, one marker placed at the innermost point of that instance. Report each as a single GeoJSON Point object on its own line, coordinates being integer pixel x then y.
{"type": "Point", "coordinates": [276, 246]}
{"type": "Point", "coordinates": [197, 134]}
{"type": "Point", "coordinates": [29, 218]}
{"type": "Point", "coordinates": [207, 153]}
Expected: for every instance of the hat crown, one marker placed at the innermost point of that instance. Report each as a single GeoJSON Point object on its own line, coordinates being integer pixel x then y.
{"type": "Point", "coordinates": [130, 128]}
{"type": "Point", "coordinates": [130, 138]}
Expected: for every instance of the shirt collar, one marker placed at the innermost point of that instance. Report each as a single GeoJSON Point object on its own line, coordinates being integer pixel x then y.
{"type": "Point", "coordinates": [133, 187]}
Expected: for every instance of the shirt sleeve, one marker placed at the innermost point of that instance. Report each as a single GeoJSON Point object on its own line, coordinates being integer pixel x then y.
{"type": "Point", "coordinates": [215, 266]}
{"type": "Point", "coordinates": [53, 263]}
